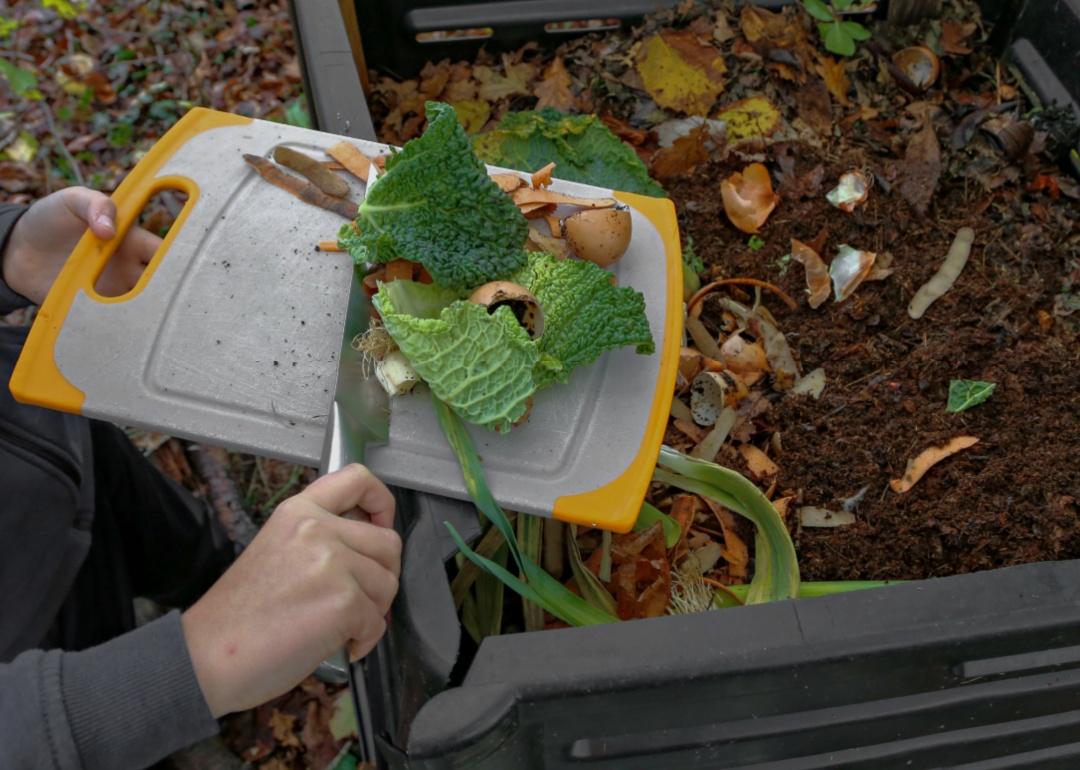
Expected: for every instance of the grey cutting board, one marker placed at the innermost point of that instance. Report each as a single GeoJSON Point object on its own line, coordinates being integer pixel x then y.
{"type": "Point", "coordinates": [234, 340]}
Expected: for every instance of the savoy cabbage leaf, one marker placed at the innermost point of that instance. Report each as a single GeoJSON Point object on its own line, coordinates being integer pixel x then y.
{"type": "Point", "coordinates": [583, 148]}
{"type": "Point", "coordinates": [436, 205]}
{"type": "Point", "coordinates": [480, 364]}
{"type": "Point", "coordinates": [584, 315]}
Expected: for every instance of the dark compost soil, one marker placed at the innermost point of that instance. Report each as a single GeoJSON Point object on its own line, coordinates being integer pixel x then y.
{"type": "Point", "coordinates": [1011, 499]}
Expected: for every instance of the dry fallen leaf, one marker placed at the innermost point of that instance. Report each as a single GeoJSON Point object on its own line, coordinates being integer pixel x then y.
{"type": "Point", "coordinates": [927, 459]}
{"type": "Point", "coordinates": [683, 156]}
{"type": "Point", "coordinates": [495, 85]}
{"type": "Point", "coordinates": [834, 74]}
{"type": "Point", "coordinates": [553, 90]}
{"type": "Point", "coordinates": [758, 463]}
{"type": "Point", "coordinates": [953, 35]}
{"type": "Point", "coordinates": [921, 169]}
{"type": "Point", "coordinates": [753, 118]}
{"type": "Point", "coordinates": [748, 197]}
{"type": "Point", "coordinates": [817, 274]}
{"type": "Point", "coordinates": [680, 72]}
{"type": "Point", "coordinates": [284, 727]}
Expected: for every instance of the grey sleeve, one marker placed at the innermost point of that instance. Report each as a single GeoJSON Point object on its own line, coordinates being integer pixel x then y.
{"type": "Point", "coordinates": [9, 300]}
{"type": "Point", "coordinates": [126, 703]}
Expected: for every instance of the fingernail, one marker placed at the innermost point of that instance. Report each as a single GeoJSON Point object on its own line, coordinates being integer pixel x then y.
{"type": "Point", "coordinates": [104, 220]}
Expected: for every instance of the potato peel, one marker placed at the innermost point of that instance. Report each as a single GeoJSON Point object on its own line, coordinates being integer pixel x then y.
{"type": "Point", "coordinates": [526, 195]}
{"type": "Point", "coordinates": [542, 177]}
{"type": "Point", "coordinates": [351, 159]}
{"type": "Point", "coordinates": [927, 459]}
{"type": "Point", "coordinates": [508, 182]}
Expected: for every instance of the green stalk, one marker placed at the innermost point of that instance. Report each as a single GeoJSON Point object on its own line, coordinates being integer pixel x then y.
{"type": "Point", "coordinates": [776, 570]}
{"type": "Point", "coordinates": [592, 590]}
{"type": "Point", "coordinates": [530, 530]}
{"type": "Point", "coordinates": [540, 587]}
{"type": "Point", "coordinates": [649, 515]}
{"type": "Point", "coordinates": [735, 596]}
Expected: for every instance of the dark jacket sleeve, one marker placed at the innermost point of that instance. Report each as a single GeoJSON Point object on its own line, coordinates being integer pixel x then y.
{"type": "Point", "coordinates": [9, 300]}
{"type": "Point", "coordinates": [126, 703]}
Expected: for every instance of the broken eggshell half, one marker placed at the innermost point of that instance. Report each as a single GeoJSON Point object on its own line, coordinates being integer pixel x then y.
{"type": "Point", "coordinates": [919, 64]}
{"type": "Point", "coordinates": [600, 236]}
{"type": "Point", "coordinates": [707, 397]}
{"type": "Point", "coordinates": [851, 191]}
{"type": "Point", "coordinates": [525, 307]}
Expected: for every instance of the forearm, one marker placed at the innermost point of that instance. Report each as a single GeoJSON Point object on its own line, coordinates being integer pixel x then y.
{"type": "Point", "coordinates": [9, 299]}
{"type": "Point", "coordinates": [126, 703]}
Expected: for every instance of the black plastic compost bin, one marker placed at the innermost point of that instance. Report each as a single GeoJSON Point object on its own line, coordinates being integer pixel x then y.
{"type": "Point", "coordinates": [975, 671]}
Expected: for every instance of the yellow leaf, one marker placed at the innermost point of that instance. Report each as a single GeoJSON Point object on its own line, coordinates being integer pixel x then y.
{"type": "Point", "coordinates": [23, 149]}
{"type": "Point", "coordinates": [751, 118]}
{"type": "Point", "coordinates": [680, 72]}
{"type": "Point", "coordinates": [473, 114]}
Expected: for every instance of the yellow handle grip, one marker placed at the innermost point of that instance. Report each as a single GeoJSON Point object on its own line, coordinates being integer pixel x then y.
{"type": "Point", "coordinates": [37, 378]}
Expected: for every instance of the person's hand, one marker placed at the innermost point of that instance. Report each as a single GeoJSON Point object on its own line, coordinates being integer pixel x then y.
{"type": "Point", "coordinates": [46, 234]}
{"type": "Point", "coordinates": [311, 582]}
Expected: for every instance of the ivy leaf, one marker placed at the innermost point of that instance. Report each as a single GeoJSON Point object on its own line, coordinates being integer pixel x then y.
{"type": "Point", "coordinates": [837, 39]}
{"type": "Point", "coordinates": [818, 10]}
{"type": "Point", "coordinates": [855, 30]}
{"type": "Point", "coordinates": [964, 394]}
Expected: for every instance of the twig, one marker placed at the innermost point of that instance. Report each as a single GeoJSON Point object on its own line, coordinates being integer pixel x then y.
{"type": "Point", "coordinates": [76, 170]}
{"type": "Point", "coordinates": [709, 288]}
{"type": "Point", "coordinates": [212, 463]}
{"type": "Point", "coordinates": [303, 190]}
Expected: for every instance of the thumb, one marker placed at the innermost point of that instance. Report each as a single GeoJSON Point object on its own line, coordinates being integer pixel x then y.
{"type": "Point", "coordinates": [94, 208]}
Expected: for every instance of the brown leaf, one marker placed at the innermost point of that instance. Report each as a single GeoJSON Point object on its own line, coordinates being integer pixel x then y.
{"type": "Point", "coordinates": [917, 467]}
{"type": "Point", "coordinates": [513, 81]}
{"type": "Point", "coordinates": [758, 463]}
{"type": "Point", "coordinates": [814, 106]}
{"type": "Point", "coordinates": [953, 35]}
{"type": "Point", "coordinates": [817, 274]}
{"type": "Point", "coordinates": [433, 78]}
{"type": "Point", "coordinates": [284, 727]}
{"type": "Point", "coordinates": [748, 197]}
{"type": "Point", "coordinates": [686, 154]}
{"type": "Point", "coordinates": [836, 80]}
{"type": "Point", "coordinates": [553, 90]}
{"type": "Point", "coordinates": [921, 169]}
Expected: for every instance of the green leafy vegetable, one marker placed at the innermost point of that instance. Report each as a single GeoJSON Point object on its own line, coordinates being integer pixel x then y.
{"type": "Point", "coordinates": [480, 364]}
{"type": "Point", "coordinates": [582, 147]}
{"type": "Point", "coordinates": [584, 315]}
{"type": "Point", "coordinates": [964, 394]}
{"type": "Point", "coordinates": [776, 570]}
{"type": "Point", "coordinates": [437, 206]}
{"type": "Point", "coordinates": [538, 587]}
{"type": "Point", "coordinates": [484, 365]}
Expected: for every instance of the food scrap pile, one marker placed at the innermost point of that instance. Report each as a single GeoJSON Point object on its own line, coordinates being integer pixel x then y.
{"type": "Point", "coordinates": [883, 268]}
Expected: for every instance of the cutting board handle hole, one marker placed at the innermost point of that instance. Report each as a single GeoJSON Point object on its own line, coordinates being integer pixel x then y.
{"type": "Point", "coordinates": [143, 240]}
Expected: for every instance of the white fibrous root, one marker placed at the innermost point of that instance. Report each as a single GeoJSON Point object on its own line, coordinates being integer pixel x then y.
{"type": "Point", "coordinates": [946, 275]}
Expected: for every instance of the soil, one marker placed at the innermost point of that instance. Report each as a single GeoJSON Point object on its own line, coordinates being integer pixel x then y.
{"type": "Point", "coordinates": [1012, 498]}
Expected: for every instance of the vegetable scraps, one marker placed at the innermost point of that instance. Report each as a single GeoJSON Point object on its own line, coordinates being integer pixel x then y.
{"type": "Point", "coordinates": [582, 147]}
{"type": "Point", "coordinates": [437, 206]}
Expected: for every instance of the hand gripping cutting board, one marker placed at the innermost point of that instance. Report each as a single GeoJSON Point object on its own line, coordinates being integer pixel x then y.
{"type": "Point", "coordinates": [233, 334]}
